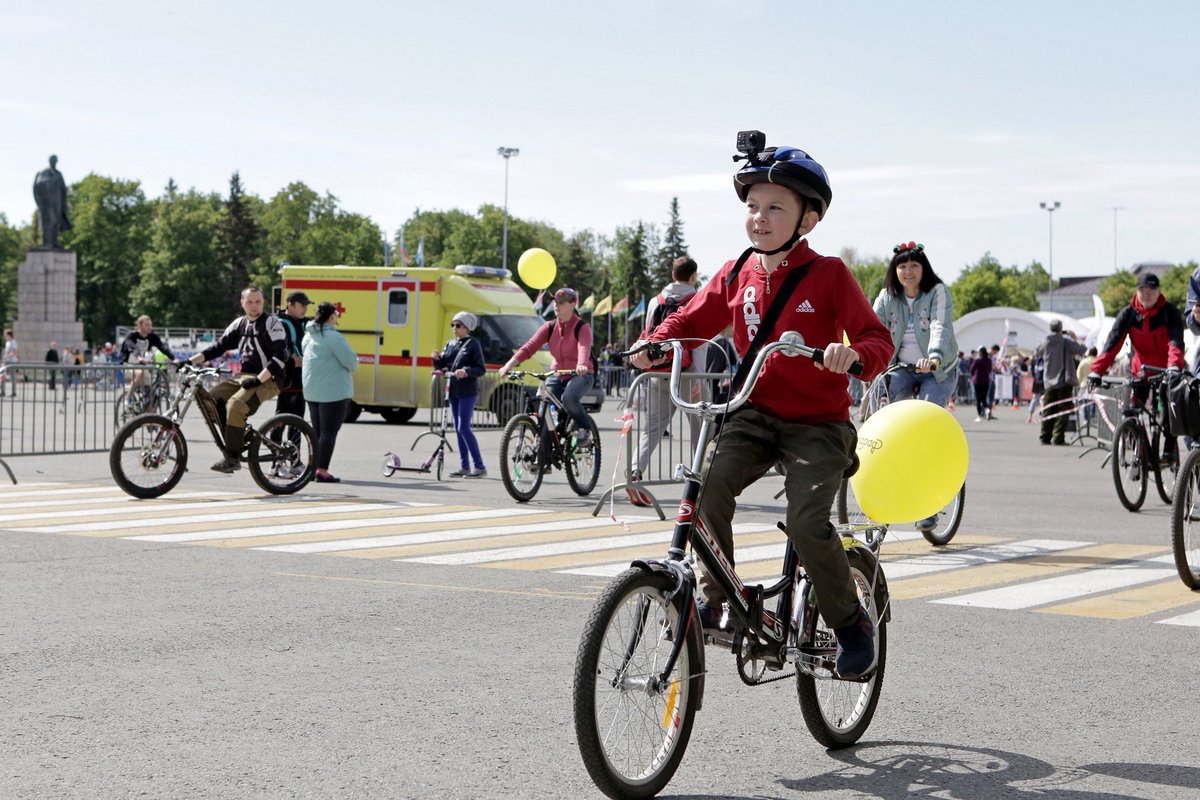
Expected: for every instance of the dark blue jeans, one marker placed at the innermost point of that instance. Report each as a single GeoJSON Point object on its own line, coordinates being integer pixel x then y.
{"type": "Point", "coordinates": [461, 410]}
{"type": "Point", "coordinates": [571, 393]}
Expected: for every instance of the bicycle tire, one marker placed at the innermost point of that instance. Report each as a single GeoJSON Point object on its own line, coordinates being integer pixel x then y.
{"type": "Point", "coordinates": [632, 737]}
{"type": "Point", "coordinates": [582, 463]}
{"type": "Point", "coordinates": [441, 461]}
{"type": "Point", "coordinates": [521, 458]}
{"type": "Point", "coordinates": [136, 458]}
{"type": "Point", "coordinates": [388, 469]}
{"type": "Point", "coordinates": [948, 520]}
{"type": "Point", "coordinates": [287, 465]}
{"type": "Point", "coordinates": [838, 712]}
{"type": "Point", "coordinates": [1129, 464]}
{"type": "Point", "coordinates": [1165, 474]}
{"type": "Point", "coordinates": [1185, 522]}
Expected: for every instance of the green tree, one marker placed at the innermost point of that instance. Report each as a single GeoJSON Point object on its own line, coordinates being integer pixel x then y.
{"type": "Point", "coordinates": [986, 283]}
{"type": "Point", "coordinates": [111, 234]}
{"type": "Point", "coordinates": [1175, 284]}
{"type": "Point", "coordinates": [870, 273]}
{"type": "Point", "coordinates": [239, 240]}
{"type": "Point", "coordinates": [14, 243]}
{"type": "Point", "coordinates": [436, 227]}
{"type": "Point", "coordinates": [673, 246]}
{"type": "Point", "coordinates": [630, 272]}
{"type": "Point", "coordinates": [1117, 291]}
{"type": "Point", "coordinates": [582, 265]}
{"type": "Point", "coordinates": [302, 227]}
{"type": "Point", "coordinates": [183, 276]}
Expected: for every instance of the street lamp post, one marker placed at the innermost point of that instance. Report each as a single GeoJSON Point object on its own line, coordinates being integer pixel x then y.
{"type": "Point", "coordinates": [1051, 208]}
{"type": "Point", "coordinates": [506, 153]}
{"type": "Point", "coordinates": [1115, 210]}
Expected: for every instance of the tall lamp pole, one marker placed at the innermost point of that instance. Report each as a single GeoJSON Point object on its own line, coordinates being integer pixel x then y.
{"type": "Point", "coordinates": [1115, 210]}
{"type": "Point", "coordinates": [506, 153]}
{"type": "Point", "coordinates": [1051, 208]}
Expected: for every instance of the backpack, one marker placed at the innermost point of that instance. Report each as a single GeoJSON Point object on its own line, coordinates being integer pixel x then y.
{"type": "Point", "coordinates": [667, 305]}
{"type": "Point", "coordinates": [592, 355]}
{"type": "Point", "coordinates": [1183, 406]}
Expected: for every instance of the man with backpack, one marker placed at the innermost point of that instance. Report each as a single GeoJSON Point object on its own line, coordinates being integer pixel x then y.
{"type": "Point", "coordinates": [654, 407]}
{"type": "Point", "coordinates": [570, 341]}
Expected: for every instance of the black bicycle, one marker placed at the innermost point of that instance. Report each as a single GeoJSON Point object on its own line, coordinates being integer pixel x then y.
{"type": "Point", "coordinates": [937, 529]}
{"type": "Point", "coordinates": [149, 454]}
{"type": "Point", "coordinates": [639, 673]}
{"type": "Point", "coordinates": [547, 437]}
{"type": "Point", "coordinates": [1139, 440]}
{"type": "Point", "coordinates": [150, 396]}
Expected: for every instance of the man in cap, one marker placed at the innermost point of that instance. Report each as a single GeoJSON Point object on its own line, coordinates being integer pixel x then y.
{"type": "Point", "coordinates": [1057, 354]}
{"type": "Point", "coordinates": [1155, 329]}
{"type": "Point", "coordinates": [291, 388]}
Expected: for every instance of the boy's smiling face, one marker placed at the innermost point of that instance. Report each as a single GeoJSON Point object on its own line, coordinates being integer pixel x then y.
{"type": "Point", "coordinates": [772, 213]}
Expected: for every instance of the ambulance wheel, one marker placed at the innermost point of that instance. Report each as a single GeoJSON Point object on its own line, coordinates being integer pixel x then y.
{"type": "Point", "coordinates": [353, 411]}
{"type": "Point", "coordinates": [397, 416]}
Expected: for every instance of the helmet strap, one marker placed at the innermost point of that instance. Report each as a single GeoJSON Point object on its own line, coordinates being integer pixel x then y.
{"type": "Point", "coordinates": [788, 245]}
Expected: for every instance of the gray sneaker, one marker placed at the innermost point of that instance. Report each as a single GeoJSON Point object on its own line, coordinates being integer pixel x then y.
{"type": "Point", "coordinates": [227, 465]}
{"type": "Point", "coordinates": [460, 473]}
{"type": "Point", "coordinates": [480, 472]}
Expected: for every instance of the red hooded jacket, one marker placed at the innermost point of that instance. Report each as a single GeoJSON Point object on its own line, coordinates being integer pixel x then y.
{"type": "Point", "coordinates": [1156, 334]}
{"type": "Point", "coordinates": [825, 304]}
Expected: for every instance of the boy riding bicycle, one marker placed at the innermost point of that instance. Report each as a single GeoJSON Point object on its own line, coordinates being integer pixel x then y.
{"type": "Point", "coordinates": [798, 414]}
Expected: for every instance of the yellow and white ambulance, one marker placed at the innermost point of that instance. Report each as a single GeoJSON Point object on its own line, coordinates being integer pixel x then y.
{"type": "Point", "coordinates": [395, 317]}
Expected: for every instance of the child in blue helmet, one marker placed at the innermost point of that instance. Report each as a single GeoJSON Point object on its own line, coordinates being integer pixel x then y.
{"type": "Point", "coordinates": [798, 413]}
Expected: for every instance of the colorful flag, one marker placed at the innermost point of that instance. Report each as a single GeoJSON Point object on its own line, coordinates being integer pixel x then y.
{"type": "Point", "coordinates": [588, 304]}
{"type": "Point", "coordinates": [403, 252]}
{"type": "Point", "coordinates": [603, 307]}
{"type": "Point", "coordinates": [621, 307]}
{"type": "Point", "coordinates": [639, 311]}
{"type": "Point", "coordinates": [421, 252]}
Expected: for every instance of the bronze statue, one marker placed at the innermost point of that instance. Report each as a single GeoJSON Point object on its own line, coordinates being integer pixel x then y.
{"type": "Point", "coordinates": [50, 193]}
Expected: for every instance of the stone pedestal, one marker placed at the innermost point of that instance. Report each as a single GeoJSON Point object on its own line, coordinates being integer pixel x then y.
{"type": "Point", "coordinates": [46, 304]}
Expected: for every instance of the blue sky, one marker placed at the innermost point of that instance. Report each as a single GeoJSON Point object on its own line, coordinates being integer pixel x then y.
{"type": "Point", "coordinates": [945, 123]}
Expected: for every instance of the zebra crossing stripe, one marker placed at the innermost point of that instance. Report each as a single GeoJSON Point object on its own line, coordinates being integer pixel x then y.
{"type": "Point", "coordinates": [1088, 581]}
{"type": "Point", "coordinates": [1191, 619]}
{"type": "Point", "coordinates": [124, 509]}
{"type": "Point", "coordinates": [942, 561]}
{"type": "Point", "coordinates": [1136, 602]}
{"type": "Point", "coordinates": [394, 519]}
{"type": "Point", "coordinates": [767, 538]}
{"type": "Point", "coordinates": [430, 537]}
{"type": "Point", "coordinates": [659, 537]}
{"type": "Point", "coordinates": [118, 499]}
{"type": "Point", "coordinates": [251, 515]}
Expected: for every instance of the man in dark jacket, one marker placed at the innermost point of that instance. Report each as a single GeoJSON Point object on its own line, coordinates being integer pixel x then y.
{"type": "Point", "coordinates": [291, 388]}
{"type": "Point", "coordinates": [52, 358]}
{"type": "Point", "coordinates": [1057, 354]}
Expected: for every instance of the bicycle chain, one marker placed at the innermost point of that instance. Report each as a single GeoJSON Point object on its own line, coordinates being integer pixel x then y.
{"type": "Point", "coordinates": [741, 665]}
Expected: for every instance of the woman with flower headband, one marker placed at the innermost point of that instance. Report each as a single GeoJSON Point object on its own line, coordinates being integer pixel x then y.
{"type": "Point", "coordinates": [917, 308]}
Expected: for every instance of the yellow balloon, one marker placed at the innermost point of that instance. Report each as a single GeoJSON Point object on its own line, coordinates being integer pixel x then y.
{"type": "Point", "coordinates": [913, 460]}
{"type": "Point", "coordinates": [537, 268]}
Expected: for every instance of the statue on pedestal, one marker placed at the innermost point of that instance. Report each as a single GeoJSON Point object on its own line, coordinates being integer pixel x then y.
{"type": "Point", "coordinates": [50, 193]}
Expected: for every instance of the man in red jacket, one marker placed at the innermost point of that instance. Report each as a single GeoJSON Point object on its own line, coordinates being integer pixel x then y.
{"type": "Point", "coordinates": [798, 413]}
{"type": "Point", "coordinates": [1155, 329]}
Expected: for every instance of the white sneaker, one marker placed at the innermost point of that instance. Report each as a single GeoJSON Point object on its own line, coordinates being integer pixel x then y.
{"type": "Point", "coordinates": [979, 419]}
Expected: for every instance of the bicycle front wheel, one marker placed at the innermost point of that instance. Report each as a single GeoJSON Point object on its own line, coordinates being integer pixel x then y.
{"type": "Point", "coordinates": [148, 456]}
{"type": "Point", "coordinates": [631, 727]}
{"type": "Point", "coordinates": [583, 462]}
{"type": "Point", "coordinates": [1129, 464]}
{"type": "Point", "coordinates": [521, 458]}
{"type": "Point", "coordinates": [837, 712]}
{"type": "Point", "coordinates": [283, 455]}
{"type": "Point", "coordinates": [1185, 522]}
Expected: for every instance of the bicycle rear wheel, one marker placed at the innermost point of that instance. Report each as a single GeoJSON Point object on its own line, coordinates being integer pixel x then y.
{"type": "Point", "coordinates": [1129, 464]}
{"type": "Point", "coordinates": [1166, 470]}
{"type": "Point", "coordinates": [148, 456]}
{"type": "Point", "coordinates": [521, 458]}
{"type": "Point", "coordinates": [632, 731]}
{"type": "Point", "coordinates": [283, 456]}
{"type": "Point", "coordinates": [947, 520]}
{"type": "Point", "coordinates": [583, 463]}
{"type": "Point", "coordinates": [838, 712]}
{"type": "Point", "coordinates": [1185, 521]}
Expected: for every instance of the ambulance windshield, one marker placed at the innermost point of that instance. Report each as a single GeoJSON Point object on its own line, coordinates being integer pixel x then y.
{"type": "Point", "coordinates": [502, 334]}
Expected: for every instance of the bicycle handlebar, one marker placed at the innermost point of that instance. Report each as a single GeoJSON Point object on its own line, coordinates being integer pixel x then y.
{"type": "Point", "coordinates": [791, 343]}
{"type": "Point", "coordinates": [517, 374]}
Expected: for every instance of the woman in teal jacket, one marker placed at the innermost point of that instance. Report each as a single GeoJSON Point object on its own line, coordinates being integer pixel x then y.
{"type": "Point", "coordinates": [917, 308]}
{"type": "Point", "coordinates": [328, 385]}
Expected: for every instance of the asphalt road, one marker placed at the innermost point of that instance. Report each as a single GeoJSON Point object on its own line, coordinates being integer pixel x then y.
{"type": "Point", "coordinates": [205, 667]}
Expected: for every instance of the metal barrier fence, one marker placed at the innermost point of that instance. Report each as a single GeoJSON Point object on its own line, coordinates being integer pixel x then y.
{"type": "Point", "coordinates": [48, 409]}
{"type": "Point", "coordinates": [676, 446]}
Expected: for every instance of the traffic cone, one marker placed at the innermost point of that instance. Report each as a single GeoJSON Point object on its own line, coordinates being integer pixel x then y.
{"type": "Point", "coordinates": [1015, 403]}
{"type": "Point", "coordinates": [950, 405]}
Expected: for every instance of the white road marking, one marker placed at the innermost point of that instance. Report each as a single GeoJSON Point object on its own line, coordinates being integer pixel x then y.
{"type": "Point", "coordinates": [1065, 587]}
{"type": "Point", "coordinates": [1191, 619]}
{"type": "Point", "coordinates": [124, 508]}
{"type": "Point", "coordinates": [942, 560]}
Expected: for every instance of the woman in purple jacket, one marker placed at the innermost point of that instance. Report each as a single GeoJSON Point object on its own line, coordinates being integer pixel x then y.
{"type": "Point", "coordinates": [981, 378]}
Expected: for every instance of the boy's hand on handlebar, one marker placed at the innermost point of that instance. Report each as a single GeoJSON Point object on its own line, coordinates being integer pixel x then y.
{"type": "Point", "coordinates": [838, 358]}
{"type": "Point", "coordinates": [641, 359]}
